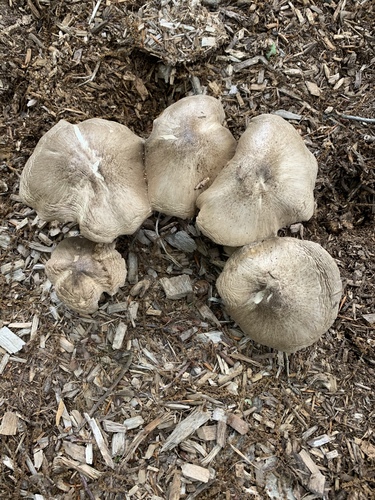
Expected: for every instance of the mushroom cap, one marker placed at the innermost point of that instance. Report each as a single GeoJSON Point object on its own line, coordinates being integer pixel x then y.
{"type": "Point", "coordinates": [267, 185]}
{"type": "Point", "coordinates": [187, 145]}
{"type": "Point", "coordinates": [282, 292]}
{"type": "Point", "coordinates": [91, 173]}
{"type": "Point", "coordinates": [82, 270]}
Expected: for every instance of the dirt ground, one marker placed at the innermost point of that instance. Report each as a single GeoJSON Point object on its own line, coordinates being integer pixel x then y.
{"type": "Point", "coordinates": [81, 419]}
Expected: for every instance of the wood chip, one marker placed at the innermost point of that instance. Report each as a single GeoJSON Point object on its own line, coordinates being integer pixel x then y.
{"type": "Point", "coordinates": [195, 472]}
{"type": "Point", "coordinates": [4, 361]}
{"type": "Point", "coordinates": [103, 448]}
{"type": "Point", "coordinates": [177, 287]}
{"type": "Point", "coordinates": [320, 440]}
{"type": "Point", "coordinates": [313, 89]}
{"type": "Point", "coordinates": [237, 423]}
{"type": "Point", "coordinates": [10, 341]}
{"type": "Point", "coordinates": [370, 318]}
{"type": "Point", "coordinates": [185, 428]}
{"type": "Point", "coordinates": [9, 423]}
{"type": "Point", "coordinates": [317, 480]}
{"type": "Point", "coordinates": [84, 469]}
{"type": "Point", "coordinates": [133, 423]}
{"type": "Point", "coordinates": [207, 314]}
{"type": "Point", "coordinates": [207, 432]}
{"type": "Point", "coordinates": [175, 488]}
{"type": "Point", "coordinates": [119, 336]}
{"type": "Point", "coordinates": [182, 241]}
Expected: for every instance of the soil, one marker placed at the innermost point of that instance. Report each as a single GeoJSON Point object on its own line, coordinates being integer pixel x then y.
{"type": "Point", "coordinates": [309, 434]}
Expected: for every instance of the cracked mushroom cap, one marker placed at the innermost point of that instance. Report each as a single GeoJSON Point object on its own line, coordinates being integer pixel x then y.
{"type": "Point", "coordinates": [267, 185]}
{"type": "Point", "coordinates": [187, 148]}
{"type": "Point", "coordinates": [82, 270]}
{"type": "Point", "coordinates": [282, 292]}
{"type": "Point", "coordinates": [91, 173]}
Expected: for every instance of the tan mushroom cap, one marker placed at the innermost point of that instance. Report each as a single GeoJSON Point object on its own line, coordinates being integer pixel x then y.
{"type": "Point", "coordinates": [91, 173]}
{"type": "Point", "coordinates": [282, 292]}
{"type": "Point", "coordinates": [82, 270]}
{"type": "Point", "coordinates": [267, 185]}
{"type": "Point", "coordinates": [188, 144]}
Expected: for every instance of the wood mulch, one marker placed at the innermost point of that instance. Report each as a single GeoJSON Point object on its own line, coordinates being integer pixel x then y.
{"type": "Point", "coordinates": [155, 397]}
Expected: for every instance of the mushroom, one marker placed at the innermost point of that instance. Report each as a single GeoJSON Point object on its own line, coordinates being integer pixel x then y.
{"type": "Point", "coordinates": [267, 185]}
{"type": "Point", "coordinates": [187, 148]}
{"type": "Point", "coordinates": [82, 270]}
{"type": "Point", "coordinates": [282, 292]}
{"type": "Point", "coordinates": [91, 173]}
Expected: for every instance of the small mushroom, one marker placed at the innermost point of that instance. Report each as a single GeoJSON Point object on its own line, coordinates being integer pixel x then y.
{"type": "Point", "coordinates": [282, 292]}
{"type": "Point", "coordinates": [187, 148]}
{"type": "Point", "coordinates": [267, 185]}
{"type": "Point", "coordinates": [82, 270]}
{"type": "Point", "coordinates": [91, 173]}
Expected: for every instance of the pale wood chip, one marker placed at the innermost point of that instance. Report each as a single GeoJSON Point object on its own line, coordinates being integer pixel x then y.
{"type": "Point", "coordinates": [133, 422]}
{"type": "Point", "coordinates": [223, 379]}
{"type": "Point", "coordinates": [12, 266]}
{"type": "Point", "coordinates": [10, 341]}
{"type": "Point", "coordinates": [119, 335]}
{"type": "Point", "coordinates": [177, 287]}
{"type": "Point", "coordinates": [175, 488]}
{"type": "Point", "coordinates": [84, 469]}
{"type": "Point", "coordinates": [103, 448]}
{"type": "Point", "coordinates": [330, 455]}
{"type": "Point", "coordinates": [370, 318]}
{"type": "Point", "coordinates": [143, 434]}
{"type": "Point", "coordinates": [207, 314]}
{"type": "Point", "coordinates": [118, 444]}
{"type": "Point", "coordinates": [237, 423]}
{"type": "Point", "coordinates": [207, 432]}
{"type": "Point", "coordinates": [4, 361]}
{"type": "Point", "coordinates": [34, 326]}
{"type": "Point", "coordinates": [186, 427]}
{"type": "Point", "coordinates": [66, 345]}
{"type": "Point", "coordinates": [133, 312]}
{"type": "Point", "coordinates": [9, 424]}
{"type": "Point", "coordinates": [320, 440]}
{"type": "Point", "coordinates": [62, 412]}
{"type": "Point", "coordinates": [317, 480]}
{"type": "Point", "coordinates": [75, 451]}
{"type": "Point", "coordinates": [38, 459]}
{"type": "Point", "coordinates": [195, 472]}
{"type": "Point", "coordinates": [208, 459]}
{"type": "Point", "coordinates": [367, 448]}
{"type": "Point", "coordinates": [313, 89]}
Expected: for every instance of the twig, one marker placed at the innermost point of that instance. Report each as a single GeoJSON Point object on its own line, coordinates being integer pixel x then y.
{"type": "Point", "coordinates": [86, 487]}
{"type": "Point", "coordinates": [142, 435]}
{"type": "Point", "coordinates": [115, 383]}
{"type": "Point", "coordinates": [163, 246]}
{"type": "Point", "coordinates": [91, 77]}
{"type": "Point", "coordinates": [108, 392]}
{"type": "Point", "coordinates": [95, 10]}
{"type": "Point", "coordinates": [357, 118]}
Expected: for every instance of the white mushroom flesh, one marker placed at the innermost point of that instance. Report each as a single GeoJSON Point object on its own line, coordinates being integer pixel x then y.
{"type": "Point", "coordinates": [82, 270]}
{"type": "Point", "coordinates": [282, 292]}
{"type": "Point", "coordinates": [267, 185]}
{"type": "Point", "coordinates": [91, 173]}
{"type": "Point", "coordinates": [187, 148]}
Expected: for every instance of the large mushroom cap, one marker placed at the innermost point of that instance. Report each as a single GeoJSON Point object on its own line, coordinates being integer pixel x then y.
{"type": "Point", "coordinates": [82, 270]}
{"type": "Point", "coordinates": [267, 185]}
{"type": "Point", "coordinates": [188, 146]}
{"type": "Point", "coordinates": [91, 173]}
{"type": "Point", "coordinates": [282, 292]}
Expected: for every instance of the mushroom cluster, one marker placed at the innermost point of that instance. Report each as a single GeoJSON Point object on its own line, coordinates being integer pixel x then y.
{"type": "Point", "coordinates": [282, 292]}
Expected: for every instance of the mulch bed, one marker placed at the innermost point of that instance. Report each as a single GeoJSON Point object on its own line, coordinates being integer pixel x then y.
{"type": "Point", "coordinates": [152, 398]}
